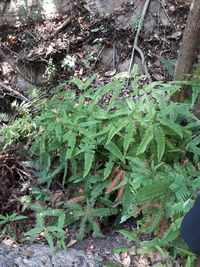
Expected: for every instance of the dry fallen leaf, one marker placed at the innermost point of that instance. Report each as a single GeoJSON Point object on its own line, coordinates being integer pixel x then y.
{"type": "Point", "coordinates": [77, 199]}
{"type": "Point", "coordinates": [133, 251]}
{"type": "Point", "coordinates": [110, 73]}
{"type": "Point", "coordinates": [71, 243]}
{"type": "Point", "coordinates": [8, 242]}
{"type": "Point", "coordinates": [124, 254]}
{"type": "Point", "coordinates": [127, 261]}
{"type": "Point", "coordinates": [118, 178]}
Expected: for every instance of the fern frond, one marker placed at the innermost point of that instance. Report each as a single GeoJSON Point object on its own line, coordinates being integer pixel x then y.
{"type": "Point", "coordinates": [156, 221]}
{"type": "Point", "coordinates": [128, 136]}
{"type": "Point", "coordinates": [173, 126]}
{"type": "Point", "coordinates": [156, 190]}
{"type": "Point", "coordinates": [145, 141]}
{"type": "Point", "coordinates": [160, 139]}
{"type": "Point", "coordinates": [108, 167]}
{"type": "Point", "coordinates": [89, 158]}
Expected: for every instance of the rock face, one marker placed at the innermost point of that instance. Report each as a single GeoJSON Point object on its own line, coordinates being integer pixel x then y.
{"type": "Point", "coordinates": [104, 6]}
{"type": "Point", "coordinates": [38, 255]}
{"type": "Point", "coordinates": [12, 11]}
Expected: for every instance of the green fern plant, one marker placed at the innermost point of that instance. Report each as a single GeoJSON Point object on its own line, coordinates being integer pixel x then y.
{"type": "Point", "coordinates": [124, 158]}
{"type": "Point", "coordinates": [81, 141]}
{"type": "Point", "coordinates": [54, 234]}
{"type": "Point", "coordinates": [20, 126]}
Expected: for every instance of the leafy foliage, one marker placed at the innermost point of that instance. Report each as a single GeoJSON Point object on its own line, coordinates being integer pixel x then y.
{"type": "Point", "coordinates": [134, 156]}
{"type": "Point", "coordinates": [21, 125]}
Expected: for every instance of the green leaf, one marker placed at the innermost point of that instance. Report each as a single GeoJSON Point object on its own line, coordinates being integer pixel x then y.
{"type": "Point", "coordinates": [16, 218]}
{"type": "Point", "coordinates": [54, 229]}
{"type": "Point", "coordinates": [114, 130]}
{"type": "Point", "coordinates": [110, 264]}
{"type": "Point", "coordinates": [130, 103]}
{"type": "Point", "coordinates": [121, 249]}
{"type": "Point", "coordinates": [173, 126]}
{"type": "Point", "coordinates": [61, 220]}
{"type": "Point", "coordinates": [130, 235]}
{"type": "Point", "coordinates": [97, 189]}
{"type": "Point", "coordinates": [73, 206]}
{"type": "Point", "coordinates": [145, 141]}
{"type": "Point", "coordinates": [34, 231]}
{"type": "Point", "coordinates": [128, 137]}
{"type": "Point", "coordinates": [71, 144]}
{"type": "Point", "coordinates": [114, 150]}
{"type": "Point", "coordinates": [89, 81]}
{"type": "Point", "coordinates": [168, 64]}
{"type": "Point", "coordinates": [89, 157]}
{"type": "Point", "coordinates": [49, 239]}
{"type": "Point", "coordinates": [145, 193]}
{"type": "Point", "coordinates": [160, 139]}
{"type": "Point", "coordinates": [108, 167]}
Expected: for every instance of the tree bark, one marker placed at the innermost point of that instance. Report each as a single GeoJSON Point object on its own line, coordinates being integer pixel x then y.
{"type": "Point", "coordinates": [188, 49]}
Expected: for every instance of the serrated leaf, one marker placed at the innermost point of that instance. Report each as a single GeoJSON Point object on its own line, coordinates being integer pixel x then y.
{"type": "Point", "coordinates": [54, 229]}
{"type": "Point", "coordinates": [121, 249]}
{"type": "Point", "coordinates": [114, 130]}
{"type": "Point", "coordinates": [114, 150]}
{"type": "Point", "coordinates": [61, 221]}
{"type": "Point", "coordinates": [167, 110]}
{"type": "Point", "coordinates": [129, 131]}
{"type": "Point", "coordinates": [173, 126]}
{"type": "Point", "coordinates": [34, 231]}
{"type": "Point", "coordinates": [89, 157]}
{"type": "Point", "coordinates": [160, 139]}
{"type": "Point", "coordinates": [130, 235]}
{"type": "Point", "coordinates": [58, 131]}
{"type": "Point", "coordinates": [89, 81]}
{"type": "Point", "coordinates": [71, 145]}
{"type": "Point", "coordinates": [73, 206]}
{"type": "Point", "coordinates": [148, 191]}
{"type": "Point", "coordinates": [97, 189]}
{"type": "Point", "coordinates": [108, 167]}
{"type": "Point", "coordinates": [49, 239]}
{"type": "Point", "coordinates": [2, 217]}
{"type": "Point", "coordinates": [148, 136]}
{"type": "Point", "coordinates": [130, 103]}
{"type": "Point", "coordinates": [110, 264]}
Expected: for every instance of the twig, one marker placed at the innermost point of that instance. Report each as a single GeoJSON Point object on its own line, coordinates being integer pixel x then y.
{"type": "Point", "coordinates": [135, 44]}
{"type": "Point", "coordinates": [13, 92]}
{"type": "Point", "coordinates": [65, 23]}
{"type": "Point", "coordinates": [164, 9]}
{"type": "Point", "coordinates": [144, 65]}
{"type": "Point", "coordinates": [97, 57]}
{"type": "Point", "coordinates": [114, 48]}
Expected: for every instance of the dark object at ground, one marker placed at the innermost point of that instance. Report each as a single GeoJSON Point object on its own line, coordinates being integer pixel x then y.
{"type": "Point", "coordinates": [190, 227]}
{"type": "Point", "coordinates": [38, 255]}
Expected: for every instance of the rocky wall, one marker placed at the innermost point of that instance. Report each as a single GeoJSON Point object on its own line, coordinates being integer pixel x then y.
{"type": "Point", "coordinates": [14, 11]}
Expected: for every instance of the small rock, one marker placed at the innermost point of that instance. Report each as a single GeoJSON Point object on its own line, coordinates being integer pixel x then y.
{"type": "Point", "coordinates": [127, 261]}
{"type": "Point", "coordinates": [172, 8]}
{"type": "Point", "coordinates": [116, 256]}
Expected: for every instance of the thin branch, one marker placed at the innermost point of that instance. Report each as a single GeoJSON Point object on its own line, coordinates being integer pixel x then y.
{"type": "Point", "coordinates": [144, 65]}
{"type": "Point", "coordinates": [13, 92]}
{"type": "Point", "coordinates": [164, 9]}
{"type": "Point", "coordinates": [65, 23]}
{"type": "Point", "coordinates": [135, 44]}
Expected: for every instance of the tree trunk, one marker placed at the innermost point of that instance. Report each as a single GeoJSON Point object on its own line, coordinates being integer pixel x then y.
{"type": "Point", "coordinates": [188, 49]}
